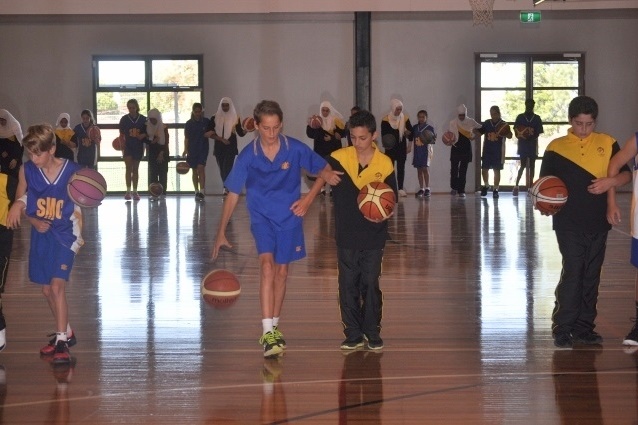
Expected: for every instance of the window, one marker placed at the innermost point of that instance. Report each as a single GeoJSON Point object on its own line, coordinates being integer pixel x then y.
{"type": "Point", "coordinates": [169, 83]}
{"type": "Point", "coordinates": [506, 80]}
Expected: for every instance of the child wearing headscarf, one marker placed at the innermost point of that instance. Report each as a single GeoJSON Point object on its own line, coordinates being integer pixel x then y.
{"type": "Point", "coordinates": [327, 138]}
{"type": "Point", "coordinates": [158, 153]}
{"type": "Point", "coordinates": [461, 154]}
{"type": "Point", "coordinates": [10, 144]}
{"type": "Point", "coordinates": [226, 126]}
{"type": "Point", "coordinates": [397, 123]}
{"type": "Point", "coordinates": [64, 146]}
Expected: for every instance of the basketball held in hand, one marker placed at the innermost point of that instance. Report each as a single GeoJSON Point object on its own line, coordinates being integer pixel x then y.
{"type": "Point", "coordinates": [118, 143]}
{"type": "Point", "coordinates": [248, 124]}
{"type": "Point", "coordinates": [376, 201]}
{"type": "Point", "coordinates": [449, 138]}
{"type": "Point", "coordinates": [315, 121]}
{"type": "Point", "coordinates": [549, 194]}
{"type": "Point", "coordinates": [504, 130]}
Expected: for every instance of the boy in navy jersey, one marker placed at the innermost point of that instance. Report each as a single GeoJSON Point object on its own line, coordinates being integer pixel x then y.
{"type": "Point", "coordinates": [56, 229]}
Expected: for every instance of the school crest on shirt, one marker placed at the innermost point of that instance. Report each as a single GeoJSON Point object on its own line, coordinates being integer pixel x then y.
{"type": "Point", "coordinates": [378, 177]}
{"type": "Point", "coordinates": [285, 165]}
{"type": "Point", "coordinates": [601, 151]}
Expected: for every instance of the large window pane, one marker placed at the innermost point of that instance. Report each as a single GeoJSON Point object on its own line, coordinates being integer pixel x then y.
{"type": "Point", "coordinates": [175, 106]}
{"type": "Point", "coordinates": [112, 105]}
{"type": "Point", "coordinates": [121, 74]}
{"type": "Point", "coordinates": [503, 74]}
{"type": "Point", "coordinates": [551, 105]}
{"type": "Point", "coordinates": [175, 73]}
{"type": "Point", "coordinates": [510, 102]}
{"type": "Point", "coordinates": [555, 74]}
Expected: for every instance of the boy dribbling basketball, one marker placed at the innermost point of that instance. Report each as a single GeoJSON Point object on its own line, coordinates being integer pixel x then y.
{"type": "Point", "coordinates": [55, 235]}
{"type": "Point", "coordinates": [360, 241]}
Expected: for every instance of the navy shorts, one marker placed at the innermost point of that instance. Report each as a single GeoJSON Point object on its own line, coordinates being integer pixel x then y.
{"type": "Point", "coordinates": [285, 245]}
{"type": "Point", "coordinates": [48, 259]}
{"type": "Point", "coordinates": [528, 149]}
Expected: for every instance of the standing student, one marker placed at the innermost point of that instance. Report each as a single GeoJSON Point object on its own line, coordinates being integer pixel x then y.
{"type": "Point", "coordinates": [65, 146]}
{"type": "Point", "coordinates": [628, 154]}
{"type": "Point", "coordinates": [87, 136]}
{"type": "Point", "coordinates": [56, 229]}
{"type": "Point", "coordinates": [327, 138]}
{"type": "Point", "coordinates": [158, 154]}
{"type": "Point", "coordinates": [496, 131]}
{"type": "Point", "coordinates": [225, 126]}
{"type": "Point", "coordinates": [397, 123]}
{"type": "Point", "coordinates": [269, 168]}
{"type": "Point", "coordinates": [581, 159]}
{"type": "Point", "coordinates": [133, 127]}
{"type": "Point", "coordinates": [10, 144]}
{"type": "Point", "coordinates": [196, 147]}
{"type": "Point", "coordinates": [360, 241]}
{"type": "Point", "coordinates": [527, 127]}
{"type": "Point", "coordinates": [461, 151]}
{"type": "Point", "coordinates": [8, 185]}
{"type": "Point", "coordinates": [423, 152]}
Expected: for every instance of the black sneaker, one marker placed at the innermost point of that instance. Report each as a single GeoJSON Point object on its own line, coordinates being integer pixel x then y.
{"type": "Point", "coordinates": [484, 190]}
{"type": "Point", "coordinates": [588, 338]}
{"type": "Point", "coordinates": [269, 342]}
{"type": "Point", "coordinates": [375, 343]}
{"type": "Point", "coordinates": [427, 193]}
{"type": "Point", "coordinates": [632, 336]}
{"type": "Point", "coordinates": [199, 196]}
{"type": "Point", "coordinates": [419, 193]}
{"type": "Point", "coordinates": [563, 340]}
{"type": "Point", "coordinates": [352, 344]}
{"type": "Point", "coordinates": [495, 194]}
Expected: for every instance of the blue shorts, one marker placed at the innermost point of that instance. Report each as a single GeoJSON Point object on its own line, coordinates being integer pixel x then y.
{"type": "Point", "coordinates": [134, 149]}
{"type": "Point", "coordinates": [528, 149]}
{"type": "Point", "coordinates": [634, 252]}
{"type": "Point", "coordinates": [48, 259]}
{"type": "Point", "coordinates": [285, 245]}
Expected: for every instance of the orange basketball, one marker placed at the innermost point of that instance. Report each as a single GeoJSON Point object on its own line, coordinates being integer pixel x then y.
{"type": "Point", "coordinates": [155, 189]}
{"type": "Point", "coordinates": [503, 130]}
{"type": "Point", "coordinates": [248, 124]}
{"type": "Point", "coordinates": [118, 143]}
{"type": "Point", "coordinates": [182, 167]}
{"type": "Point", "coordinates": [220, 288]}
{"type": "Point", "coordinates": [449, 138]}
{"type": "Point", "coordinates": [549, 194]}
{"type": "Point", "coordinates": [376, 200]}
{"type": "Point", "coordinates": [315, 121]}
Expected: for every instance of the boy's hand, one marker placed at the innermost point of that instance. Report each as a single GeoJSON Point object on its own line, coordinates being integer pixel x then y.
{"type": "Point", "coordinates": [220, 241]}
{"type": "Point", "coordinates": [331, 177]}
{"type": "Point", "coordinates": [13, 216]}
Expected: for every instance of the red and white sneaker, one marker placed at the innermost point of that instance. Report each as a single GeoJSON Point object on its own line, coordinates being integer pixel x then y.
{"type": "Point", "coordinates": [49, 349]}
{"type": "Point", "coordinates": [61, 354]}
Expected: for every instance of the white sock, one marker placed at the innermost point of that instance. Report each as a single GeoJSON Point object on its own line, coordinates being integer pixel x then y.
{"type": "Point", "coordinates": [275, 321]}
{"type": "Point", "coordinates": [60, 336]}
{"type": "Point", "coordinates": [68, 329]}
{"type": "Point", "coordinates": [266, 325]}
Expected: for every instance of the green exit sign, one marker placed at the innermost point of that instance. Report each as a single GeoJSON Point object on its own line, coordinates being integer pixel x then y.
{"type": "Point", "coordinates": [530, 17]}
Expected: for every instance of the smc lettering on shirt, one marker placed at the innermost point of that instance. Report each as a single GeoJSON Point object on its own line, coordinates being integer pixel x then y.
{"type": "Point", "coordinates": [49, 208]}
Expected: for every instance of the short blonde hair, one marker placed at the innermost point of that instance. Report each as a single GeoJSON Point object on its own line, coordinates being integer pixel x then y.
{"type": "Point", "coordinates": [39, 138]}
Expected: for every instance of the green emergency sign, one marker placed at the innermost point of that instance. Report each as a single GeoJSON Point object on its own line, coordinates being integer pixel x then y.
{"type": "Point", "coordinates": [530, 17]}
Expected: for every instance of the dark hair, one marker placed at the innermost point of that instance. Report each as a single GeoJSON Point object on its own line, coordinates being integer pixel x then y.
{"type": "Point", "coordinates": [197, 105]}
{"type": "Point", "coordinates": [495, 108]}
{"type": "Point", "coordinates": [582, 105]}
{"type": "Point", "coordinates": [355, 108]}
{"type": "Point", "coordinates": [90, 114]}
{"type": "Point", "coordinates": [363, 118]}
{"type": "Point", "coordinates": [422, 111]}
{"type": "Point", "coordinates": [267, 107]}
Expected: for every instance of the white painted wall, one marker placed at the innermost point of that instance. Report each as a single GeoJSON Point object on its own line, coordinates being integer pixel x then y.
{"type": "Point", "coordinates": [424, 58]}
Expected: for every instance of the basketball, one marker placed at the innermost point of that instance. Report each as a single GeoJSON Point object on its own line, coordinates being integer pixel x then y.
{"type": "Point", "coordinates": [87, 188]}
{"type": "Point", "coordinates": [521, 131]}
{"type": "Point", "coordinates": [376, 200]}
{"type": "Point", "coordinates": [315, 121]}
{"type": "Point", "coordinates": [549, 194]}
{"type": "Point", "coordinates": [155, 189]}
{"type": "Point", "coordinates": [449, 138]}
{"type": "Point", "coordinates": [94, 134]}
{"type": "Point", "coordinates": [388, 141]}
{"type": "Point", "coordinates": [182, 167]}
{"type": "Point", "coordinates": [118, 143]}
{"type": "Point", "coordinates": [427, 137]}
{"type": "Point", "coordinates": [220, 288]}
{"type": "Point", "coordinates": [248, 124]}
{"type": "Point", "coordinates": [504, 130]}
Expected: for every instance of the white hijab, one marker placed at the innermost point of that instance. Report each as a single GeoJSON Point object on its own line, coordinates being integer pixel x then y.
{"type": "Point", "coordinates": [397, 122]}
{"type": "Point", "coordinates": [466, 126]}
{"type": "Point", "coordinates": [153, 130]}
{"type": "Point", "coordinates": [225, 122]}
{"type": "Point", "coordinates": [328, 123]}
{"type": "Point", "coordinates": [11, 128]}
{"type": "Point", "coordinates": [60, 118]}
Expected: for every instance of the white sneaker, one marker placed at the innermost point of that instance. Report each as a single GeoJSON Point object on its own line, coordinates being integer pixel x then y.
{"type": "Point", "coordinates": [402, 193]}
{"type": "Point", "coordinates": [3, 339]}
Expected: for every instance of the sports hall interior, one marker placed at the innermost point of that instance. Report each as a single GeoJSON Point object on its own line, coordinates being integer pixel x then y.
{"type": "Point", "coordinates": [468, 284]}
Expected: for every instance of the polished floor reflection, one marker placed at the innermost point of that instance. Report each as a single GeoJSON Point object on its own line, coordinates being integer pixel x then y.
{"type": "Point", "coordinates": [468, 288]}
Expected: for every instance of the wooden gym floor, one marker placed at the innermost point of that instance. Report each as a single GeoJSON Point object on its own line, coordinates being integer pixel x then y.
{"type": "Point", "coordinates": [468, 288]}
